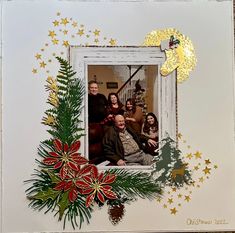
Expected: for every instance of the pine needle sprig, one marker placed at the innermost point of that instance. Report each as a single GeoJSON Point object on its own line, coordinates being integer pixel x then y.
{"type": "Point", "coordinates": [133, 184]}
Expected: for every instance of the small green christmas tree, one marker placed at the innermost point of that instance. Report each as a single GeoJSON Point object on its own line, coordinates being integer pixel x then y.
{"type": "Point", "coordinates": [169, 168]}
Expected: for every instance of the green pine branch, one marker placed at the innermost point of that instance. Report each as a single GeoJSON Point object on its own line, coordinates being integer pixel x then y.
{"type": "Point", "coordinates": [135, 184]}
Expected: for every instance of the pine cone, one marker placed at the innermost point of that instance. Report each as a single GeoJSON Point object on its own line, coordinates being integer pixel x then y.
{"type": "Point", "coordinates": [116, 212]}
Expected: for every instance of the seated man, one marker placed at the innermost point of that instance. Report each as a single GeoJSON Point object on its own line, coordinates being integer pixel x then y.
{"type": "Point", "coordinates": [123, 147]}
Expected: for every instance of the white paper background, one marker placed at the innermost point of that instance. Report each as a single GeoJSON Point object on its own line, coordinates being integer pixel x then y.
{"type": "Point", "coordinates": [205, 104]}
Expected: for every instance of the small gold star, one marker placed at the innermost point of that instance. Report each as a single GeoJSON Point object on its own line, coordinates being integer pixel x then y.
{"type": "Point", "coordinates": [179, 135]}
{"type": "Point", "coordinates": [207, 170]}
{"type": "Point", "coordinates": [65, 32]}
{"type": "Point", "coordinates": [105, 38]}
{"type": "Point", "coordinates": [164, 206]}
{"type": "Point", "coordinates": [159, 199]}
{"type": "Point", "coordinates": [53, 54]}
{"type": "Point", "coordinates": [215, 166]}
{"type": "Point", "coordinates": [96, 41]}
{"type": "Point", "coordinates": [179, 204]}
{"type": "Point", "coordinates": [201, 179]}
{"type": "Point", "coordinates": [96, 32]}
{"type": "Point", "coordinates": [196, 168]}
{"type": "Point", "coordinates": [64, 21]}
{"type": "Point", "coordinates": [74, 24]}
{"type": "Point", "coordinates": [188, 147]}
{"type": "Point", "coordinates": [46, 44]}
{"type": "Point", "coordinates": [58, 13]}
{"type": "Point", "coordinates": [173, 211]}
{"type": "Point", "coordinates": [82, 25]}
{"type": "Point", "coordinates": [56, 23]}
{"type": "Point", "coordinates": [193, 183]}
{"type": "Point", "coordinates": [207, 161]}
{"type": "Point", "coordinates": [80, 32]}
{"type": "Point", "coordinates": [190, 192]}
{"type": "Point", "coordinates": [169, 192]}
{"type": "Point", "coordinates": [42, 50]}
{"type": "Point", "coordinates": [47, 71]}
{"type": "Point", "coordinates": [112, 42]}
{"type": "Point", "coordinates": [65, 43]}
{"type": "Point", "coordinates": [73, 36]}
{"type": "Point", "coordinates": [184, 141]}
{"type": "Point", "coordinates": [38, 56]}
{"type": "Point", "coordinates": [55, 41]}
{"type": "Point", "coordinates": [34, 71]}
{"type": "Point", "coordinates": [87, 36]}
{"type": "Point", "coordinates": [49, 60]}
{"type": "Point", "coordinates": [189, 156]}
{"type": "Point", "coordinates": [187, 198]}
{"type": "Point", "coordinates": [173, 189]}
{"type": "Point", "coordinates": [198, 186]}
{"type": "Point", "coordinates": [198, 155]}
{"type": "Point", "coordinates": [61, 53]}
{"type": "Point", "coordinates": [52, 34]}
{"type": "Point", "coordinates": [170, 200]}
{"type": "Point", "coordinates": [179, 195]}
{"type": "Point", "coordinates": [42, 64]}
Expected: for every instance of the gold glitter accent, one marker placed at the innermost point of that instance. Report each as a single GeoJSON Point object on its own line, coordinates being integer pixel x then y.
{"type": "Point", "coordinates": [182, 58]}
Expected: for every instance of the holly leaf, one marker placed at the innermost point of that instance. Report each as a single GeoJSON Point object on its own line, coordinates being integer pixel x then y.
{"type": "Point", "coordinates": [45, 195]}
{"type": "Point", "coordinates": [63, 204]}
{"type": "Point", "coordinates": [53, 176]}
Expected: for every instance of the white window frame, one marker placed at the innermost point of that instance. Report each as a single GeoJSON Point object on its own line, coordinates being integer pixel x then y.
{"type": "Point", "coordinates": [165, 93]}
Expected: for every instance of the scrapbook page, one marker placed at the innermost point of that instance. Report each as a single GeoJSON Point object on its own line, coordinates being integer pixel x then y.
{"type": "Point", "coordinates": [117, 116]}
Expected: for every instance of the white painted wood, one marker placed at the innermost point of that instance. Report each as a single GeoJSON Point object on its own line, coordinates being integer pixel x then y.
{"type": "Point", "coordinates": [164, 89]}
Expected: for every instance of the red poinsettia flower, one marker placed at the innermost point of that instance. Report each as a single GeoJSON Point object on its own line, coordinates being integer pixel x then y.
{"type": "Point", "coordinates": [68, 184]}
{"type": "Point", "coordinates": [64, 157]}
{"type": "Point", "coordinates": [96, 185]}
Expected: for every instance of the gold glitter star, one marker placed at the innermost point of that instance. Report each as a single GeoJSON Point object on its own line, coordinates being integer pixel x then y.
{"type": "Point", "coordinates": [65, 43]}
{"type": "Point", "coordinates": [189, 156]}
{"type": "Point", "coordinates": [82, 25]}
{"type": "Point", "coordinates": [188, 147]}
{"type": "Point", "coordinates": [38, 56]}
{"type": "Point", "coordinates": [173, 189]}
{"type": "Point", "coordinates": [43, 64]}
{"type": "Point", "coordinates": [58, 13]}
{"type": "Point", "coordinates": [52, 34]}
{"type": "Point", "coordinates": [64, 21]}
{"type": "Point", "coordinates": [173, 211]}
{"type": "Point", "coordinates": [201, 179]}
{"type": "Point", "coordinates": [80, 32]}
{"type": "Point", "coordinates": [96, 32]}
{"type": "Point", "coordinates": [105, 38]}
{"type": "Point", "coordinates": [55, 41]}
{"type": "Point", "coordinates": [164, 206]}
{"type": "Point", "coordinates": [49, 60]}
{"type": "Point", "coordinates": [96, 41]}
{"type": "Point", "coordinates": [65, 32]}
{"type": "Point", "coordinates": [179, 204]}
{"type": "Point", "coordinates": [196, 168]}
{"type": "Point", "coordinates": [159, 199]}
{"type": "Point", "coordinates": [56, 23]}
{"type": "Point", "coordinates": [42, 50]}
{"type": "Point", "coordinates": [179, 195]}
{"type": "Point", "coordinates": [34, 71]}
{"type": "Point", "coordinates": [170, 200]}
{"type": "Point", "coordinates": [53, 54]}
{"type": "Point", "coordinates": [207, 161]}
{"type": "Point", "coordinates": [179, 135]}
{"type": "Point", "coordinates": [87, 36]}
{"type": "Point", "coordinates": [112, 42]}
{"type": "Point", "coordinates": [193, 183]}
{"type": "Point", "coordinates": [207, 170]}
{"type": "Point", "coordinates": [187, 198]}
{"type": "Point", "coordinates": [198, 155]}
{"type": "Point", "coordinates": [215, 166]}
{"type": "Point", "coordinates": [74, 24]}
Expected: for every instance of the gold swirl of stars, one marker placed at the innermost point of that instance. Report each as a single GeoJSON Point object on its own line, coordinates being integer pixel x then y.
{"type": "Point", "coordinates": [182, 58]}
{"type": "Point", "coordinates": [66, 31]}
{"type": "Point", "coordinates": [202, 168]}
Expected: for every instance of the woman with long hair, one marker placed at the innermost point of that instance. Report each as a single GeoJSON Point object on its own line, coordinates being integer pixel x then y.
{"type": "Point", "coordinates": [150, 130]}
{"type": "Point", "coordinates": [115, 107]}
{"type": "Point", "coordinates": [133, 115]}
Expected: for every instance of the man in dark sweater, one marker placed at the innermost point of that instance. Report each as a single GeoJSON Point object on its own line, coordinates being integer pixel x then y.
{"type": "Point", "coordinates": [97, 104]}
{"type": "Point", "coordinates": [123, 147]}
